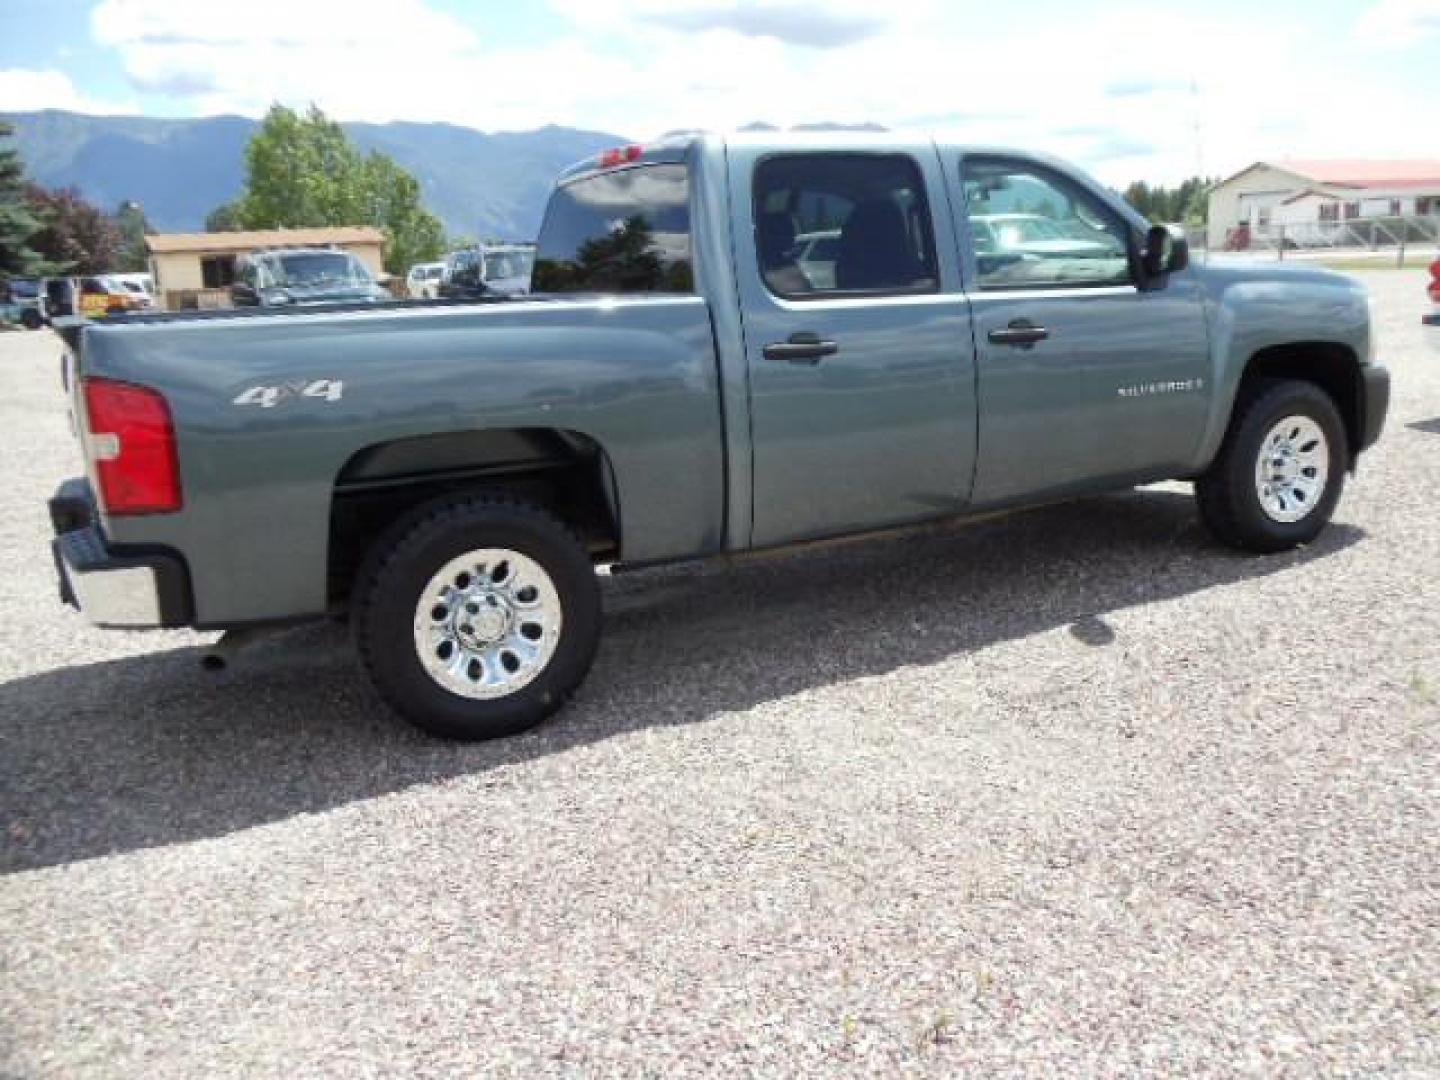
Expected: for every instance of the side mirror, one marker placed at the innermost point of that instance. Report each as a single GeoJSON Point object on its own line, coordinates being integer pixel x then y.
{"type": "Point", "coordinates": [1166, 252]}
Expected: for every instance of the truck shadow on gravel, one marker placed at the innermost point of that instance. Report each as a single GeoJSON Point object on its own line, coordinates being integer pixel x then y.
{"type": "Point", "coordinates": [147, 751]}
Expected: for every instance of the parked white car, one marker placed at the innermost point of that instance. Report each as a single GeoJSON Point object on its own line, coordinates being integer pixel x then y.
{"type": "Point", "coordinates": [423, 280]}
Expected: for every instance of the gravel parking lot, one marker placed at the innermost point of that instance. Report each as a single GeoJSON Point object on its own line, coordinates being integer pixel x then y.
{"type": "Point", "coordinates": [1070, 792]}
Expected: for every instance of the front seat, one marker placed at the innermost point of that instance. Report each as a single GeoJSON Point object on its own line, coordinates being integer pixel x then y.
{"type": "Point", "coordinates": [776, 244]}
{"type": "Point", "coordinates": [875, 249]}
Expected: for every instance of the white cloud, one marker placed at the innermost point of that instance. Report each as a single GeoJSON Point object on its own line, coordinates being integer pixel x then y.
{"type": "Point", "coordinates": [23, 90]}
{"type": "Point", "coordinates": [795, 22]}
{"type": "Point", "coordinates": [1399, 22]}
{"type": "Point", "coordinates": [1126, 91]}
{"type": "Point", "coordinates": [354, 59]}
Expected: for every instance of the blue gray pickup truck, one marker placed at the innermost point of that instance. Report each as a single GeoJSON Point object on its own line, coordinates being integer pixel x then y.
{"type": "Point", "coordinates": [680, 385]}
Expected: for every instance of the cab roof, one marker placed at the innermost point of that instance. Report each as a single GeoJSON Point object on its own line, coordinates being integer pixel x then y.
{"type": "Point", "coordinates": [675, 146]}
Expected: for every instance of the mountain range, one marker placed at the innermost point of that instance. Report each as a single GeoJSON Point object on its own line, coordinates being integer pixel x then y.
{"type": "Point", "coordinates": [479, 184]}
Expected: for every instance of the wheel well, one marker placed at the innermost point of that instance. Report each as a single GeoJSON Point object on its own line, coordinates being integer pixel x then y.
{"type": "Point", "coordinates": [1334, 368]}
{"type": "Point", "coordinates": [564, 471]}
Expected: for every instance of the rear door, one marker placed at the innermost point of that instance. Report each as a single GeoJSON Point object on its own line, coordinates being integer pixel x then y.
{"type": "Point", "coordinates": [861, 367]}
{"type": "Point", "coordinates": [1084, 378]}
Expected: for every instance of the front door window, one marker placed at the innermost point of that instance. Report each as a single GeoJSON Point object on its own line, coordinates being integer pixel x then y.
{"type": "Point", "coordinates": [1031, 228]}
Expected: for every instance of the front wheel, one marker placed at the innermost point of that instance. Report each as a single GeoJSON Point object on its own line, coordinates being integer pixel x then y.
{"type": "Point", "coordinates": [31, 319]}
{"type": "Point", "coordinates": [478, 618]}
{"type": "Point", "coordinates": [1279, 473]}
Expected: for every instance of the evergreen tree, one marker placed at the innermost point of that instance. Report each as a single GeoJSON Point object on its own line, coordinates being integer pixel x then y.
{"type": "Point", "coordinates": [18, 224]}
{"type": "Point", "coordinates": [1188, 203]}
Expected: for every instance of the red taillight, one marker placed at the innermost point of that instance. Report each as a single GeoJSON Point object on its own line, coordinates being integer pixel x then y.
{"type": "Point", "coordinates": [621, 155]}
{"type": "Point", "coordinates": [1435, 281]}
{"type": "Point", "coordinates": [133, 443]}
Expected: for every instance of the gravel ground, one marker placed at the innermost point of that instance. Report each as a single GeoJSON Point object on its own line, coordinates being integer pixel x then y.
{"type": "Point", "coordinates": [1070, 792]}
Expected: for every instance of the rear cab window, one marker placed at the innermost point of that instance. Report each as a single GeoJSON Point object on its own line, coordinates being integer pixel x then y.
{"type": "Point", "coordinates": [622, 230]}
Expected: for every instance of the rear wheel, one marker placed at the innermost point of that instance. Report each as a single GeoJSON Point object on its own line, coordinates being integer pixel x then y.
{"type": "Point", "coordinates": [31, 319]}
{"type": "Point", "coordinates": [478, 618]}
{"type": "Point", "coordinates": [1279, 473]}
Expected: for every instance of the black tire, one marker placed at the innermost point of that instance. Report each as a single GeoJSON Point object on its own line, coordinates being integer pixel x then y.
{"type": "Point", "coordinates": [1230, 503]}
{"type": "Point", "coordinates": [394, 579]}
{"type": "Point", "coordinates": [31, 319]}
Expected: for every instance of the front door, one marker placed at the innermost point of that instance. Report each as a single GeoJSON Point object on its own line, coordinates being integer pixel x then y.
{"type": "Point", "coordinates": [857, 338]}
{"type": "Point", "coordinates": [1084, 379]}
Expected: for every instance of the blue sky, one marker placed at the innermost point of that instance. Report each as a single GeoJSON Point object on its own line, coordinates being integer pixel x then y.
{"type": "Point", "coordinates": [1151, 90]}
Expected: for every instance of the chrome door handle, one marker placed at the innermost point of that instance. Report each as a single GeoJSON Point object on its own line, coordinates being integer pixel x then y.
{"type": "Point", "coordinates": [804, 347]}
{"type": "Point", "coordinates": [1021, 332]}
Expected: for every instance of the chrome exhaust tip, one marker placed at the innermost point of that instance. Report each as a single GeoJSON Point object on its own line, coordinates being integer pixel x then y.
{"type": "Point", "coordinates": [221, 653]}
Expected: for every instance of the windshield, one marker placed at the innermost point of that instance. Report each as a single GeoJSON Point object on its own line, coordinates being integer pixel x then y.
{"type": "Point", "coordinates": [507, 264]}
{"type": "Point", "coordinates": [1021, 230]}
{"type": "Point", "coordinates": [24, 288]}
{"type": "Point", "coordinates": [319, 268]}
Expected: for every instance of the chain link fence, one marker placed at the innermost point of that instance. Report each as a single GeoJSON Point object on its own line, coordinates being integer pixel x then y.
{"type": "Point", "coordinates": [1394, 237]}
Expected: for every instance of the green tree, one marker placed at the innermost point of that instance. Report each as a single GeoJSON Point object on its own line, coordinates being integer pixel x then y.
{"type": "Point", "coordinates": [412, 233]}
{"type": "Point", "coordinates": [302, 171]}
{"type": "Point", "coordinates": [624, 260]}
{"type": "Point", "coordinates": [18, 223]}
{"type": "Point", "coordinates": [224, 218]}
{"type": "Point", "coordinates": [1187, 203]}
{"type": "Point", "coordinates": [130, 220]}
{"type": "Point", "coordinates": [74, 234]}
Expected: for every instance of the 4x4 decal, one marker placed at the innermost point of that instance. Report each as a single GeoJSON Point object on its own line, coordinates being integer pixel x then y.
{"type": "Point", "coordinates": [267, 397]}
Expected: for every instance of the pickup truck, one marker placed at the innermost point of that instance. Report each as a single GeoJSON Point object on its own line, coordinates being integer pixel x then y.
{"type": "Point", "coordinates": [448, 475]}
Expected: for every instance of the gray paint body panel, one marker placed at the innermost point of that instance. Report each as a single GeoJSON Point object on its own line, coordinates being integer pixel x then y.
{"type": "Point", "coordinates": [880, 433]}
{"type": "Point", "coordinates": [1250, 307]}
{"type": "Point", "coordinates": [637, 376]}
{"type": "Point", "coordinates": [712, 447]}
{"type": "Point", "coordinates": [1078, 407]}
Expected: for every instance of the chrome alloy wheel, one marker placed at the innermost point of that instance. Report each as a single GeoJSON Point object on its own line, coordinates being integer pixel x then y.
{"type": "Point", "coordinates": [1292, 469]}
{"type": "Point", "coordinates": [487, 623]}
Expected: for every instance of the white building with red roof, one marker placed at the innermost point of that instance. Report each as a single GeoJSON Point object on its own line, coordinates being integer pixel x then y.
{"type": "Point", "coordinates": [1310, 197]}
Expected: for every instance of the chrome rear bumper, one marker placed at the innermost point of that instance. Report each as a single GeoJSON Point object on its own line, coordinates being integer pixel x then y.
{"type": "Point", "coordinates": [113, 587]}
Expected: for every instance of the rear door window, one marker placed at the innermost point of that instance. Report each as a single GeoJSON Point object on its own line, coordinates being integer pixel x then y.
{"type": "Point", "coordinates": [846, 224]}
{"type": "Point", "coordinates": [622, 231]}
